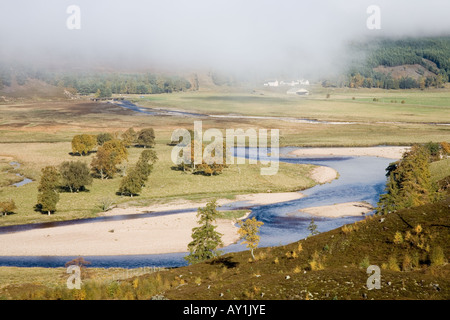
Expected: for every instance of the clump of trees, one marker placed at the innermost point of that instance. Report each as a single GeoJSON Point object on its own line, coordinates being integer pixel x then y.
{"type": "Point", "coordinates": [205, 239]}
{"type": "Point", "coordinates": [208, 167]}
{"type": "Point", "coordinates": [74, 176]}
{"type": "Point", "coordinates": [136, 178]}
{"type": "Point", "coordinates": [102, 84]}
{"type": "Point", "coordinates": [111, 150]}
{"type": "Point", "coordinates": [409, 182]}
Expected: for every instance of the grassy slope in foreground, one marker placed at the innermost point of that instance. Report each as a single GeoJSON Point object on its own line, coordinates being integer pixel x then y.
{"type": "Point", "coordinates": [345, 255]}
{"type": "Point", "coordinates": [331, 265]}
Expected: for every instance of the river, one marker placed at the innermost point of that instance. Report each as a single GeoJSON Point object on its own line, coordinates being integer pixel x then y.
{"type": "Point", "coordinates": [360, 179]}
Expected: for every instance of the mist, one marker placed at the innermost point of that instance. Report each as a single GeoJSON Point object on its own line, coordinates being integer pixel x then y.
{"type": "Point", "coordinates": [265, 37]}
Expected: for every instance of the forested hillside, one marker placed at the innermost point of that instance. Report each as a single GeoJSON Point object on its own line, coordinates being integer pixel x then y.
{"type": "Point", "coordinates": [101, 83]}
{"type": "Point", "coordinates": [426, 59]}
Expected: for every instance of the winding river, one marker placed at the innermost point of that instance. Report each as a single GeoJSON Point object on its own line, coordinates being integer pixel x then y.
{"type": "Point", "coordinates": [360, 179]}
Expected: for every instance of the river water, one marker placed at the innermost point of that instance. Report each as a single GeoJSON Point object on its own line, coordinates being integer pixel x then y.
{"type": "Point", "coordinates": [360, 179]}
{"type": "Point", "coordinates": [24, 180]}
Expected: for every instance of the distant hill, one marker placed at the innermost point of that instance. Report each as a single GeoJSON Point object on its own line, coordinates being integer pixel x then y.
{"type": "Point", "coordinates": [23, 82]}
{"type": "Point", "coordinates": [32, 89]}
{"type": "Point", "coordinates": [400, 63]}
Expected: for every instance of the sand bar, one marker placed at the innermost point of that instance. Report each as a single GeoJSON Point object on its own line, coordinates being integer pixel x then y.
{"type": "Point", "coordinates": [323, 174]}
{"type": "Point", "coordinates": [340, 210]}
{"type": "Point", "coordinates": [147, 235]}
{"type": "Point", "coordinates": [163, 234]}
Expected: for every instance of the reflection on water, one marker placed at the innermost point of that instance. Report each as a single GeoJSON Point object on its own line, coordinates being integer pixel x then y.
{"type": "Point", "coordinates": [360, 179]}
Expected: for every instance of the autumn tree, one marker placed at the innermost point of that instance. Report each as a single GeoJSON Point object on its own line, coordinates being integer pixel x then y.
{"type": "Point", "coordinates": [249, 231]}
{"type": "Point", "coordinates": [146, 138]}
{"type": "Point", "coordinates": [103, 165]}
{"type": "Point", "coordinates": [445, 147]}
{"type": "Point", "coordinates": [83, 144]}
{"type": "Point", "coordinates": [111, 154]}
{"type": "Point", "coordinates": [7, 206]}
{"type": "Point", "coordinates": [48, 195]}
{"type": "Point", "coordinates": [129, 137]}
{"type": "Point", "coordinates": [117, 147]}
{"type": "Point", "coordinates": [205, 239]}
{"type": "Point", "coordinates": [75, 175]}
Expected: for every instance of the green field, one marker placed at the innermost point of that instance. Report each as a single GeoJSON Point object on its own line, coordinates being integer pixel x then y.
{"type": "Point", "coordinates": [164, 183]}
{"type": "Point", "coordinates": [371, 123]}
{"type": "Point", "coordinates": [419, 106]}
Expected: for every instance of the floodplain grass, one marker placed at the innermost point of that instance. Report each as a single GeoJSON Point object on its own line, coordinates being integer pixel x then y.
{"type": "Point", "coordinates": [431, 105]}
{"type": "Point", "coordinates": [164, 184]}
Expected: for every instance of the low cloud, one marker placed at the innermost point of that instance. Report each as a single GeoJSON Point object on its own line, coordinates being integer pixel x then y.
{"type": "Point", "coordinates": [262, 36]}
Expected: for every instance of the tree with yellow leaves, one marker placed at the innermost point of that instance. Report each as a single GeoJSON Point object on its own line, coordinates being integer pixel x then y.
{"type": "Point", "coordinates": [249, 230]}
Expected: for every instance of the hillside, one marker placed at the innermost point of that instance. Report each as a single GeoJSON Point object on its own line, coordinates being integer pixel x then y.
{"type": "Point", "coordinates": [328, 266]}
{"type": "Point", "coordinates": [290, 273]}
{"type": "Point", "coordinates": [400, 64]}
{"type": "Point", "coordinates": [32, 90]}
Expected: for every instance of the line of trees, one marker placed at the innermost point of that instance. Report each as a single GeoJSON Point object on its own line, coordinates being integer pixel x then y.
{"type": "Point", "coordinates": [386, 81]}
{"type": "Point", "coordinates": [84, 144]}
{"type": "Point", "coordinates": [100, 83]}
{"type": "Point", "coordinates": [137, 176]}
{"type": "Point", "coordinates": [409, 181]}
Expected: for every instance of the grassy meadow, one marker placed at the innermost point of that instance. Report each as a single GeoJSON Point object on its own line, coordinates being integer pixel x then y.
{"type": "Point", "coordinates": [343, 104]}
{"type": "Point", "coordinates": [387, 121]}
{"type": "Point", "coordinates": [164, 184]}
{"type": "Point", "coordinates": [37, 133]}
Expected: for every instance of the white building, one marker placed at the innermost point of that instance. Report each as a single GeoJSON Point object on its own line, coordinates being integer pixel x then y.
{"type": "Point", "coordinates": [271, 83]}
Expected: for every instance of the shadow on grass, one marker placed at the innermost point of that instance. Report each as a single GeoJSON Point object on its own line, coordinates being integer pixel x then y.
{"type": "Point", "coordinates": [77, 154]}
{"type": "Point", "coordinates": [225, 261]}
